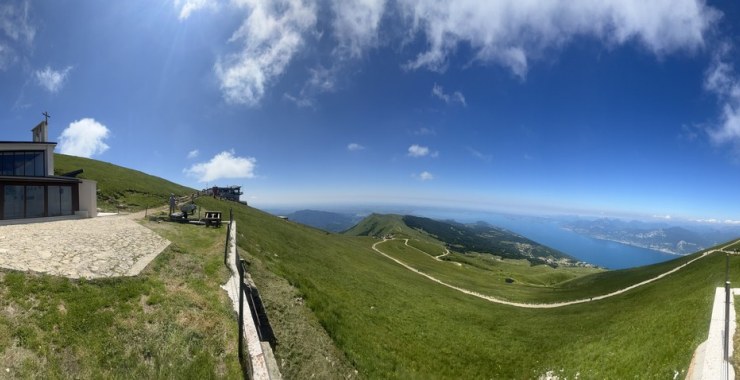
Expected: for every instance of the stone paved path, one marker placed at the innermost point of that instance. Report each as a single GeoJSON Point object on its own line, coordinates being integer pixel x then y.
{"type": "Point", "coordinates": [91, 248]}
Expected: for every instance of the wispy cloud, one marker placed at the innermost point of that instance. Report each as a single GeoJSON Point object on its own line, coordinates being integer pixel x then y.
{"type": "Point", "coordinates": [479, 155]}
{"type": "Point", "coordinates": [84, 138]}
{"type": "Point", "coordinates": [455, 97]}
{"type": "Point", "coordinates": [187, 7]}
{"type": "Point", "coordinates": [354, 147]}
{"type": "Point", "coordinates": [356, 25]}
{"type": "Point", "coordinates": [421, 151]}
{"type": "Point", "coordinates": [424, 176]}
{"type": "Point", "coordinates": [509, 33]}
{"type": "Point", "coordinates": [321, 80]}
{"type": "Point", "coordinates": [223, 165]}
{"type": "Point", "coordinates": [722, 80]}
{"type": "Point", "coordinates": [16, 31]}
{"type": "Point", "coordinates": [193, 154]}
{"type": "Point", "coordinates": [269, 38]}
{"type": "Point", "coordinates": [52, 80]}
{"type": "Point", "coordinates": [512, 32]}
{"type": "Point", "coordinates": [424, 131]}
{"type": "Point", "coordinates": [718, 221]}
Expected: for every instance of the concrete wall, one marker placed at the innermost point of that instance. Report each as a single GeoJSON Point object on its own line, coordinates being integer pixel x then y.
{"type": "Point", "coordinates": [89, 197]}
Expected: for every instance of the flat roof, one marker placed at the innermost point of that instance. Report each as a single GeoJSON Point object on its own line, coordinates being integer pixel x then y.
{"type": "Point", "coordinates": [51, 178]}
{"type": "Point", "coordinates": [29, 142]}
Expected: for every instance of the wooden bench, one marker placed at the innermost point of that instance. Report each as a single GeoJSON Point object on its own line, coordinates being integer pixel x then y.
{"type": "Point", "coordinates": [213, 218]}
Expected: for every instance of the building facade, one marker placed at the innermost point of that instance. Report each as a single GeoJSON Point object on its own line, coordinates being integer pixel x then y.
{"type": "Point", "coordinates": [30, 190]}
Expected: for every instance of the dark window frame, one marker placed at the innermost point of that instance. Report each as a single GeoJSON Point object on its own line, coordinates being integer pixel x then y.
{"type": "Point", "coordinates": [35, 155]}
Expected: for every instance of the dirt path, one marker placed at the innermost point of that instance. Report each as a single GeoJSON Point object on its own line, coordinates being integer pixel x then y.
{"type": "Point", "coordinates": [538, 305]}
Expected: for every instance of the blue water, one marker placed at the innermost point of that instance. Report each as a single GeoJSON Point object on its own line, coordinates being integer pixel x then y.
{"type": "Point", "coordinates": [549, 232]}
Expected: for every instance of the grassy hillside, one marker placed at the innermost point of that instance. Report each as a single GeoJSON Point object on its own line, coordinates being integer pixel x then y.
{"type": "Point", "coordinates": [465, 238]}
{"type": "Point", "coordinates": [378, 225]}
{"type": "Point", "coordinates": [336, 306]}
{"type": "Point", "coordinates": [171, 321]}
{"type": "Point", "coordinates": [393, 323]}
{"type": "Point", "coordinates": [118, 186]}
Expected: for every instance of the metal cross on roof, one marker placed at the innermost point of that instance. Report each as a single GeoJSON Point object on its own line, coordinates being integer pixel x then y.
{"type": "Point", "coordinates": [46, 117]}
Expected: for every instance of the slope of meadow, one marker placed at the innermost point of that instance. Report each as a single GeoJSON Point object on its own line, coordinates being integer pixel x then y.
{"type": "Point", "coordinates": [120, 187]}
{"type": "Point", "coordinates": [393, 323]}
{"type": "Point", "coordinates": [336, 306]}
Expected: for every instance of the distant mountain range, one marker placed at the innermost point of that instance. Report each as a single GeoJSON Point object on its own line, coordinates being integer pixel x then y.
{"type": "Point", "coordinates": [679, 240]}
{"type": "Point", "coordinates": [327, 221]}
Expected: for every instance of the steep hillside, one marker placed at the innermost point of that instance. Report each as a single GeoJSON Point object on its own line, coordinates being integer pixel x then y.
{"type": "Point", "coordinates": [392, 322]}
{"type": "Point", "coordinates": [379, 225]}
{"type": "Point", "coordinates": [466, 238]}
{"type": "Point", "coordinates": [118, 186]}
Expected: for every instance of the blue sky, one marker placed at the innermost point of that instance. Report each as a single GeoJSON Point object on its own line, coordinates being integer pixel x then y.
{"type": "Point", "coordinates": [624, 107]}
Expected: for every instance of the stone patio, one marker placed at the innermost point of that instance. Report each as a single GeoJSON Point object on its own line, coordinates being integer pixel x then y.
{"type": "Point", "coordinates": [108, 246]}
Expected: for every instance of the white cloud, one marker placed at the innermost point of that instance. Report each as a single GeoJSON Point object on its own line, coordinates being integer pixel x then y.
{"type": "Point", "coordinates": [455, 97]}
{"type": "Point", "coordinates": [269, 38]}
{"type": "Point", "coordinates": [418, 151]}
{"type": "Point", "coordinates": [512, 32]}
{"type": "Point", "coordinates": [424, 176]}
{"type": "Point", "coordinates": [193, 154]}
{"type": "Point", "coordinates": [353, 147]}
{"type": "Point", "coordinates": [16, 31]}
{"type": "Point", "coordinates": [52, 80]}
{"type": "Point", "coordinates": [716, 221]}
{"type": "Point", "coordinates": [84, 138]}
{"type": "Point", "coordinates": [223, 165]}
{"type": "Point", "coordinates": [356, 25]}
{"type": "Point", "coordinates": [187, 7]}
{"type": "Point", "coordinates": [722, 81]}
{"type": "Point", "coordinates": [421, 151]}
{"type": "Point", "coordinates": [509, 33]}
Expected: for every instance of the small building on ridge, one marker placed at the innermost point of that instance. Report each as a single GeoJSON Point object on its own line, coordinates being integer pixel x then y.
{"type": "Point", "coordinates": [30, 191]}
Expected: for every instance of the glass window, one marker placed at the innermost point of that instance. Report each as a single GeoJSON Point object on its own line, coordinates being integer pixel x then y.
{"type": "Point", "coordinates": [34, 201]}
{"type": "Point", "coordinates": [38, 164]}
{"type": "Point", "coordinates": [54, 204]}
{"type": "Point", "coordinates": [65, 199]}
{"type": "Point", "coordinates": [7, 164]}
{"type": "Point", "coordinates": [14, 202]}
{"type": "Point", "coordinates": [28, 163]}
{"type": "Point", "coordinates": [18, 158]}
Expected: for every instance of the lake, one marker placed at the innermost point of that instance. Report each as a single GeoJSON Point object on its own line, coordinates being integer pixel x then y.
{"type": "Point", "coordinates": [547, 231]}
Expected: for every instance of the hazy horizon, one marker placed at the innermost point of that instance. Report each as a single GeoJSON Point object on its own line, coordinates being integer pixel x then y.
{"type": "Point", "coordinates": [607, 108]}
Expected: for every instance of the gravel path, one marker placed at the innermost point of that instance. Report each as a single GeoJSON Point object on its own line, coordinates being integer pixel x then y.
{"type": "Point", "coordinates": [538, 305]}
{"type": "Point", "coordinates": [91, 248]}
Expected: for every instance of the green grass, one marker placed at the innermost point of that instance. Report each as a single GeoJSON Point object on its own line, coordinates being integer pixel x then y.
{"type": "Point", "coordinates": [117, 186]}
{"type": "Point", "coordinates": [171, 321]}
{"type": "Point", "coordinates": [304, 349]}
{"type": "Point", "coordinates": [337, 305]}
{"type": "Point", "coordinates": [432, 249]}
{"type": "Point", "coordinates": [392, 323]}
{"type": "Point", "coordinates": [486, 274]}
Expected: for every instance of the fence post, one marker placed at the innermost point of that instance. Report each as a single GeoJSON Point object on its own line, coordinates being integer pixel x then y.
{"type": "Point", "coordinates": [226, 246]}
{"type": "Point", "coordinates": [241, 313]}
{"type": "Point", "coordinates": [727, 321]}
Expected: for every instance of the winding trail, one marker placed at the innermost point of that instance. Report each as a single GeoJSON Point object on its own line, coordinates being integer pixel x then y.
{"type": "Point", "coordinates": [537, 305]}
